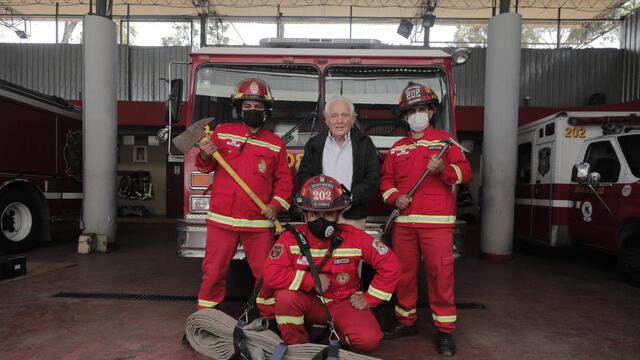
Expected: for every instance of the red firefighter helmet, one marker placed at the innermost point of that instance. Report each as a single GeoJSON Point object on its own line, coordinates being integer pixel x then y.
{"type": "Point", "coordinates": [252, 89]}
{"type": "Point", "coordinates": [415, 95]}
{"type": "Point", "coordinates": [322, 193]}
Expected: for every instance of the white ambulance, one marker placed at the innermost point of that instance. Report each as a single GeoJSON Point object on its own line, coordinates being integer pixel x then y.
{"type": "Point", "coordinates": [578, 182]}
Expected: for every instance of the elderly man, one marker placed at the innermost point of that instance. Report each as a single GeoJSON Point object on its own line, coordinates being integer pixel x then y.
{"type": "Point", "coordinates": [345, 154]}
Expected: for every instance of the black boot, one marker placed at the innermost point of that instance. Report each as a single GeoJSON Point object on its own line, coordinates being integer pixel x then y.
{"type": "Point", "coordinates": [446, 346]}
{"type": "Point", "coordinates": [401, 331]}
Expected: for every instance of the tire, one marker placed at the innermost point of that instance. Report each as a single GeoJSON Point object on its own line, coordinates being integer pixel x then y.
{"type": "Point", "coordinates": [20, 220]}
{"type": "Point", "coordinates": [629, 260]}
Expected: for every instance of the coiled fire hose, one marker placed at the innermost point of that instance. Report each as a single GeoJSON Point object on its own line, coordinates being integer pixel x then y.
{"type": "Point", "coordinates": [210, 332]}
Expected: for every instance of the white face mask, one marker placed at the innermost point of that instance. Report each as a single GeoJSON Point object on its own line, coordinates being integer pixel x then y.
{"type": "Point", "coordinates": [418, 121]}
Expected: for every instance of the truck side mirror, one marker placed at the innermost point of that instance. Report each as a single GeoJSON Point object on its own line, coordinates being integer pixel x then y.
{"type": "Point", "coordinates": [580, 173]}
{"type": "Point", "coordinates": [174, 102]}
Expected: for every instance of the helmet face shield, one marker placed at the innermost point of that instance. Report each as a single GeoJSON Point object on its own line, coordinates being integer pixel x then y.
{"type": "Point", "coordinates": [322, 193]}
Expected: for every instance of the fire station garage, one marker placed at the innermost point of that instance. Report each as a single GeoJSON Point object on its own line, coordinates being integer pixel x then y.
{"type": "Point", "coordinates": [137, 148]}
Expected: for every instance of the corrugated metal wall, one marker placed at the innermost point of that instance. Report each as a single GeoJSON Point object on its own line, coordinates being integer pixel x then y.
{"type": "Point", "coordinates": [630, 36]}
{"type": "Point", "coordinates": [57, 69]}
{"type": "Point", "coordinates": [550, 77]}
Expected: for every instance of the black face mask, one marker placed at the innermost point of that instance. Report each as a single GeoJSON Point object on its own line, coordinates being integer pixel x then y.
{"type": "Point", "coordinates": [253, 118]}
{"type": "Point", "coordinates": [322, 228]}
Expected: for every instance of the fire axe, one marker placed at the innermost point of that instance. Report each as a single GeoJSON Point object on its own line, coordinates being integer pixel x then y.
{"type": "Point", "coordinates": [386, 234]}
{"type": "Point", "coordinates": [191, 138]}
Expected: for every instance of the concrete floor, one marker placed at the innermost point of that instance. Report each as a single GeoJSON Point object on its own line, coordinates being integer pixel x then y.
{"type": "Point", "coordinates": [545, 304]}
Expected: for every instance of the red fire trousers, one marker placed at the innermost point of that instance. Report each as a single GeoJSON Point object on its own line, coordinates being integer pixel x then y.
{"type": "Point", "coordinates": [435, 246]}
{"type": "Point", "coordinates": [356, 328]}
{"type": "Point", "coordinates": [219, 250]}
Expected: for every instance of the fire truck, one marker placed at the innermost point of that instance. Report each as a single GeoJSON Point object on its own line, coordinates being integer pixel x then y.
{"type": "Point", "coordinates": [40, 165]}
{"type": "Point", "coordinates": [302, 75]}
{"type": "Point", "coordinates": [578, 182]}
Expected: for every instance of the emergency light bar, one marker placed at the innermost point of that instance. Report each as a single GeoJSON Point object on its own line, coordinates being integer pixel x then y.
{"type": "Point", "coordinates": [622, 120]}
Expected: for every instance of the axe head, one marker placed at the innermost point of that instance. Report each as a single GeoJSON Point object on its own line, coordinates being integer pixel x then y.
{"type": "Point", "coordinates": [455, 143]}
{"type": "Point", "coordinates": [192, 135]}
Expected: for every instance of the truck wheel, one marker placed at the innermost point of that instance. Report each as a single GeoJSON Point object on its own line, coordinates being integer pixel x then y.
{"type": "Point", "coordinates": [629, 261]}
{"type": "Point", "coordinates": [20, 220]}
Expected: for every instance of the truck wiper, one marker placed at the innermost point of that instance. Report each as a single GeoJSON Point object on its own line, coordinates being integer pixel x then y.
{"type": "Point", "coordinates": [288, 136]}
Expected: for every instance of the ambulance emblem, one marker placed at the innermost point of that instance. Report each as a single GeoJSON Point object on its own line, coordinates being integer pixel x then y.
{"type": "Point", "coordinates": [587, 211]}
{"type": "Point", "coordinates": [276, 251]}
{"type": "Point", "coordinates": [342, 278]}
{"type": "Point", "coordinates": [381, 248]}
{"type": "Point", "coordinates": [253, 88]}
{"type": "Point", "coordinates": [262, 166]}
{"type": "Point", "coordinates": [544, 161]}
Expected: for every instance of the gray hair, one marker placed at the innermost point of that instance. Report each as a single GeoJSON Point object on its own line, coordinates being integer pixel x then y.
{"type": "Point", "coordinates": [337, 98]}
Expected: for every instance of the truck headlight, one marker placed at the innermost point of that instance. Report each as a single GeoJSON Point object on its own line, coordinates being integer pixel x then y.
{"type": "Point", "coordinates": [199, 203]}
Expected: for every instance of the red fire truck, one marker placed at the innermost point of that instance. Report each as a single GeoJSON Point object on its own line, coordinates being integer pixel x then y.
{"type": "Point", "coordinates": [578, 182]}
{"type": "Point", "coordinates": [301, 79]}
{"type": "Point", "coordinates": [40, 166]}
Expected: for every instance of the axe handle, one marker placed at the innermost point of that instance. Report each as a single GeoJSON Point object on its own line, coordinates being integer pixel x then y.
{"type": "Point", "coordinates": [216, 155]}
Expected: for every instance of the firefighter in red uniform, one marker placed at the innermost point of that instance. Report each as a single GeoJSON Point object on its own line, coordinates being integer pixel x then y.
{"type": "Point", "coordinates": [426, 222]}
{"type": "Point", "coordinates": [260, 159]}
{"type": "Point", "coordinates": [337, 250]}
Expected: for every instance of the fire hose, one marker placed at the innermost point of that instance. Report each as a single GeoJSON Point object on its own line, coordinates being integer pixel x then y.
{"type": "Point", "coordinates": [210, 332]}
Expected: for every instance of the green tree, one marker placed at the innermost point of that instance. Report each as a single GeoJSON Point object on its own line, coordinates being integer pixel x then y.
{"type": "Point", "coordinates": [476, 35]}
{"type": "Point", "coordinates": [127, 27]}
{"type": "Point", "coordinates": [182, 35]}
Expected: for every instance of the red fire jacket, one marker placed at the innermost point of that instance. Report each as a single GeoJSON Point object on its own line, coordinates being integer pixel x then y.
{"type": "Point", "coordinates": [287, 268]}
{"type": "Point", "coordinates": [434, 202]}
{"type": "Point", "coordinates": [261, 161]}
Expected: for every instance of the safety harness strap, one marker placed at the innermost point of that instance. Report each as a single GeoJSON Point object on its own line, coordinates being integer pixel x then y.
{"type": "Point", "coordinates": [240, 341]}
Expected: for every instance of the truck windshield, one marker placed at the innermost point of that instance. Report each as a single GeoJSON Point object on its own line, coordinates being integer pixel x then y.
{"type": "Point", "coordinates": [294, 89]}
{"type": "Point", "coordinates": [375, 90]}
{"type": "Point", "coordinates": [630, 145]}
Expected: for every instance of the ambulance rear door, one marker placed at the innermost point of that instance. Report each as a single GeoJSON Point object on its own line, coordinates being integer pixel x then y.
{"type": "Point", "coordinates": [543, 174]}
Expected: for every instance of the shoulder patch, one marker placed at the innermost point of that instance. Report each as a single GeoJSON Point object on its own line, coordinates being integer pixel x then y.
{"type": "Point", "coordinates": [381, 248]}
{"type": "Point", "coordinates": [276, 251]}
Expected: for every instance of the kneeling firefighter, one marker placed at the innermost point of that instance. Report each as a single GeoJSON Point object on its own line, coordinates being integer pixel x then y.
{"type": "Point", "coordinates": [336, 251]}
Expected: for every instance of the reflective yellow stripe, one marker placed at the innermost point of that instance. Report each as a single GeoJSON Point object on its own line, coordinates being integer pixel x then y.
{"type": "Point", "coordinates": [346, 252]}
{"type": "Point", "coordinates": [253, 141]}
{"type": "Point", "coordinates": [295, 250]}
{"type": "Point", "coordinates": [282, 202]}
{"type": "Point", "coordinates": [297, 280]}
{"type": "Point", "coordinates": [423, 143]}
{"type": "Point", "coordinates": [444, 319]}
{"type": "Point", "coordinates": [269, 301]}
{"type": "Point", "coordinates": [206, 303]}
{"type": "Point", "coordinates": [403, 312]}
{"type": "Point", "coordinates": [388, 192]}
{"type": "Point", "coordinates": [379, 293]}
{"type": "Point", "coordinates": [458, 172]}
{"type": "Point", "coordinates": [426, 219]}
{"type": "Point", "coordinates": [295, 320]}
{"type": "Point", "coordinates": [238, 222]}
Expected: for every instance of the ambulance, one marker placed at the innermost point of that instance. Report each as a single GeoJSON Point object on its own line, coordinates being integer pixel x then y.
{"type": "Point", "coordinates": [578, 182]}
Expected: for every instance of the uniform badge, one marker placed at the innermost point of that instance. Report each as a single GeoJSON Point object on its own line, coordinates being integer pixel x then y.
{"type": "Point", "coordinates": [381, 248]}
{"type": "Point", "coordinates": [340, 261]}
{"type": "Point", "coordinates": [262, 166]}
{"type": "Point", "coordinates": [233, 143]}
{"type": "Point", "coordinates": [342, 278]}
{"type": "Point", "coordinates": [402, 152]}
{"type": "Point", "coordinates": [302, 261]}
{"type": "Point", "coordinates": [276, 251]}
{"type": "Point", "coordinates": [435, 147]}
{"type": "Point", "coordinates": [254, 88]}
